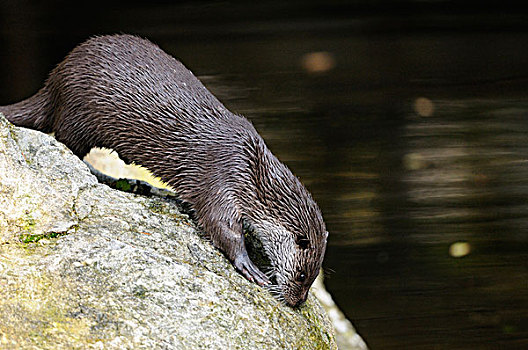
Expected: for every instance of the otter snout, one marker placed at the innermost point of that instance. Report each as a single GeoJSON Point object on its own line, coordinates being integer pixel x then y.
{"type": "Point", "coordinates": [302, 299]}
{"type": "Point", "coordinates": [296, 299]}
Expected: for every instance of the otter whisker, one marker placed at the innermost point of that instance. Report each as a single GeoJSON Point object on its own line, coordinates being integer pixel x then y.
{"type": "Point", "coordinates": [270, 274]}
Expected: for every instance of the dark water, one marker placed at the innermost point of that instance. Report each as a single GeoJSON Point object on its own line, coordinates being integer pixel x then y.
{"type": "Point", "coordinates": [413, 138]}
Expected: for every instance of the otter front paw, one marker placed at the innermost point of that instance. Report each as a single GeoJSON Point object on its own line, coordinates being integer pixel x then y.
{"type": "Point", "coordinates": [246, 267]}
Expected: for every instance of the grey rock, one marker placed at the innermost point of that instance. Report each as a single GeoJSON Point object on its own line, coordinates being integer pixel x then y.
{"type": "Point", "coordinates": [83, 266]}
{"type": "Point", "coordinates": [346, 336]}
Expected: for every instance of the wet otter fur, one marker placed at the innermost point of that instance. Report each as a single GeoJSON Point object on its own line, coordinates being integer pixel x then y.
{"type": "Point", "coordinates": [124, 93]}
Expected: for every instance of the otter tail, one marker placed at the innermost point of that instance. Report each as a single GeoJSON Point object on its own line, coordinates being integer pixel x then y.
{"type": "Point", "coordinates": [34, 112]}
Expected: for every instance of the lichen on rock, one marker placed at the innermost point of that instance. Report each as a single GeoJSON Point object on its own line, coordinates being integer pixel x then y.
{"type": "Point", "coordinates": [112, 270]}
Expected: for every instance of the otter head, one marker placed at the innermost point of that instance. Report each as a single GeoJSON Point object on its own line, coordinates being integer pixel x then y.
{"type": "Point", "coordinates": [295, 258]}
{"type": "Point", "coordinates": [288, 223]}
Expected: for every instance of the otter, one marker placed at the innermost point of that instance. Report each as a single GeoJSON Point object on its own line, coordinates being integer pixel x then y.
{"type": "Point", "coordinates": [125, 93]}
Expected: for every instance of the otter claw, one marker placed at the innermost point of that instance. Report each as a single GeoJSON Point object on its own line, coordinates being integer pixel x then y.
{"type": "Point", "coordinates": [246, 267]}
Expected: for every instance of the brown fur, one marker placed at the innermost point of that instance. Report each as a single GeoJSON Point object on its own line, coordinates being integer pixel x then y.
{"type": "Point", "coordinates": [124, 93]}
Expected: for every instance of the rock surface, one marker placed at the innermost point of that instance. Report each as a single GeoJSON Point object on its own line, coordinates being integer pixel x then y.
{"type": "Point", "coordinates": [83, 266]}
{"type": "Point", "coordinates": [346, 336]}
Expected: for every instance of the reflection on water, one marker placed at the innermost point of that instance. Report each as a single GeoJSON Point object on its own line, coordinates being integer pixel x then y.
{"type": "Point", "coordinates": [415, 145]}
{"type": "Point", "coordinates": [447, 264]}
{"type": "Point", "coordinates": [427, 203]}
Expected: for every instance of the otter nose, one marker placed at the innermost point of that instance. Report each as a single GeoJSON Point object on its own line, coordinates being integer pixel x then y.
{"type": "Point", "coordinates": [302, 299]}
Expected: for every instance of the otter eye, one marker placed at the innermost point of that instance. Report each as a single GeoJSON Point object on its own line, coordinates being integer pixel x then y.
{"type": "Point", "coordinates": [301, 277]}
{"type": "Point", "coordinates": [302, 241]}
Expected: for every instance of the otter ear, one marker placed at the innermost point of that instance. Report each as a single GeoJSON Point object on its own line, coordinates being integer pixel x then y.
{"type": "Point", "coordinates": [302, 241]}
